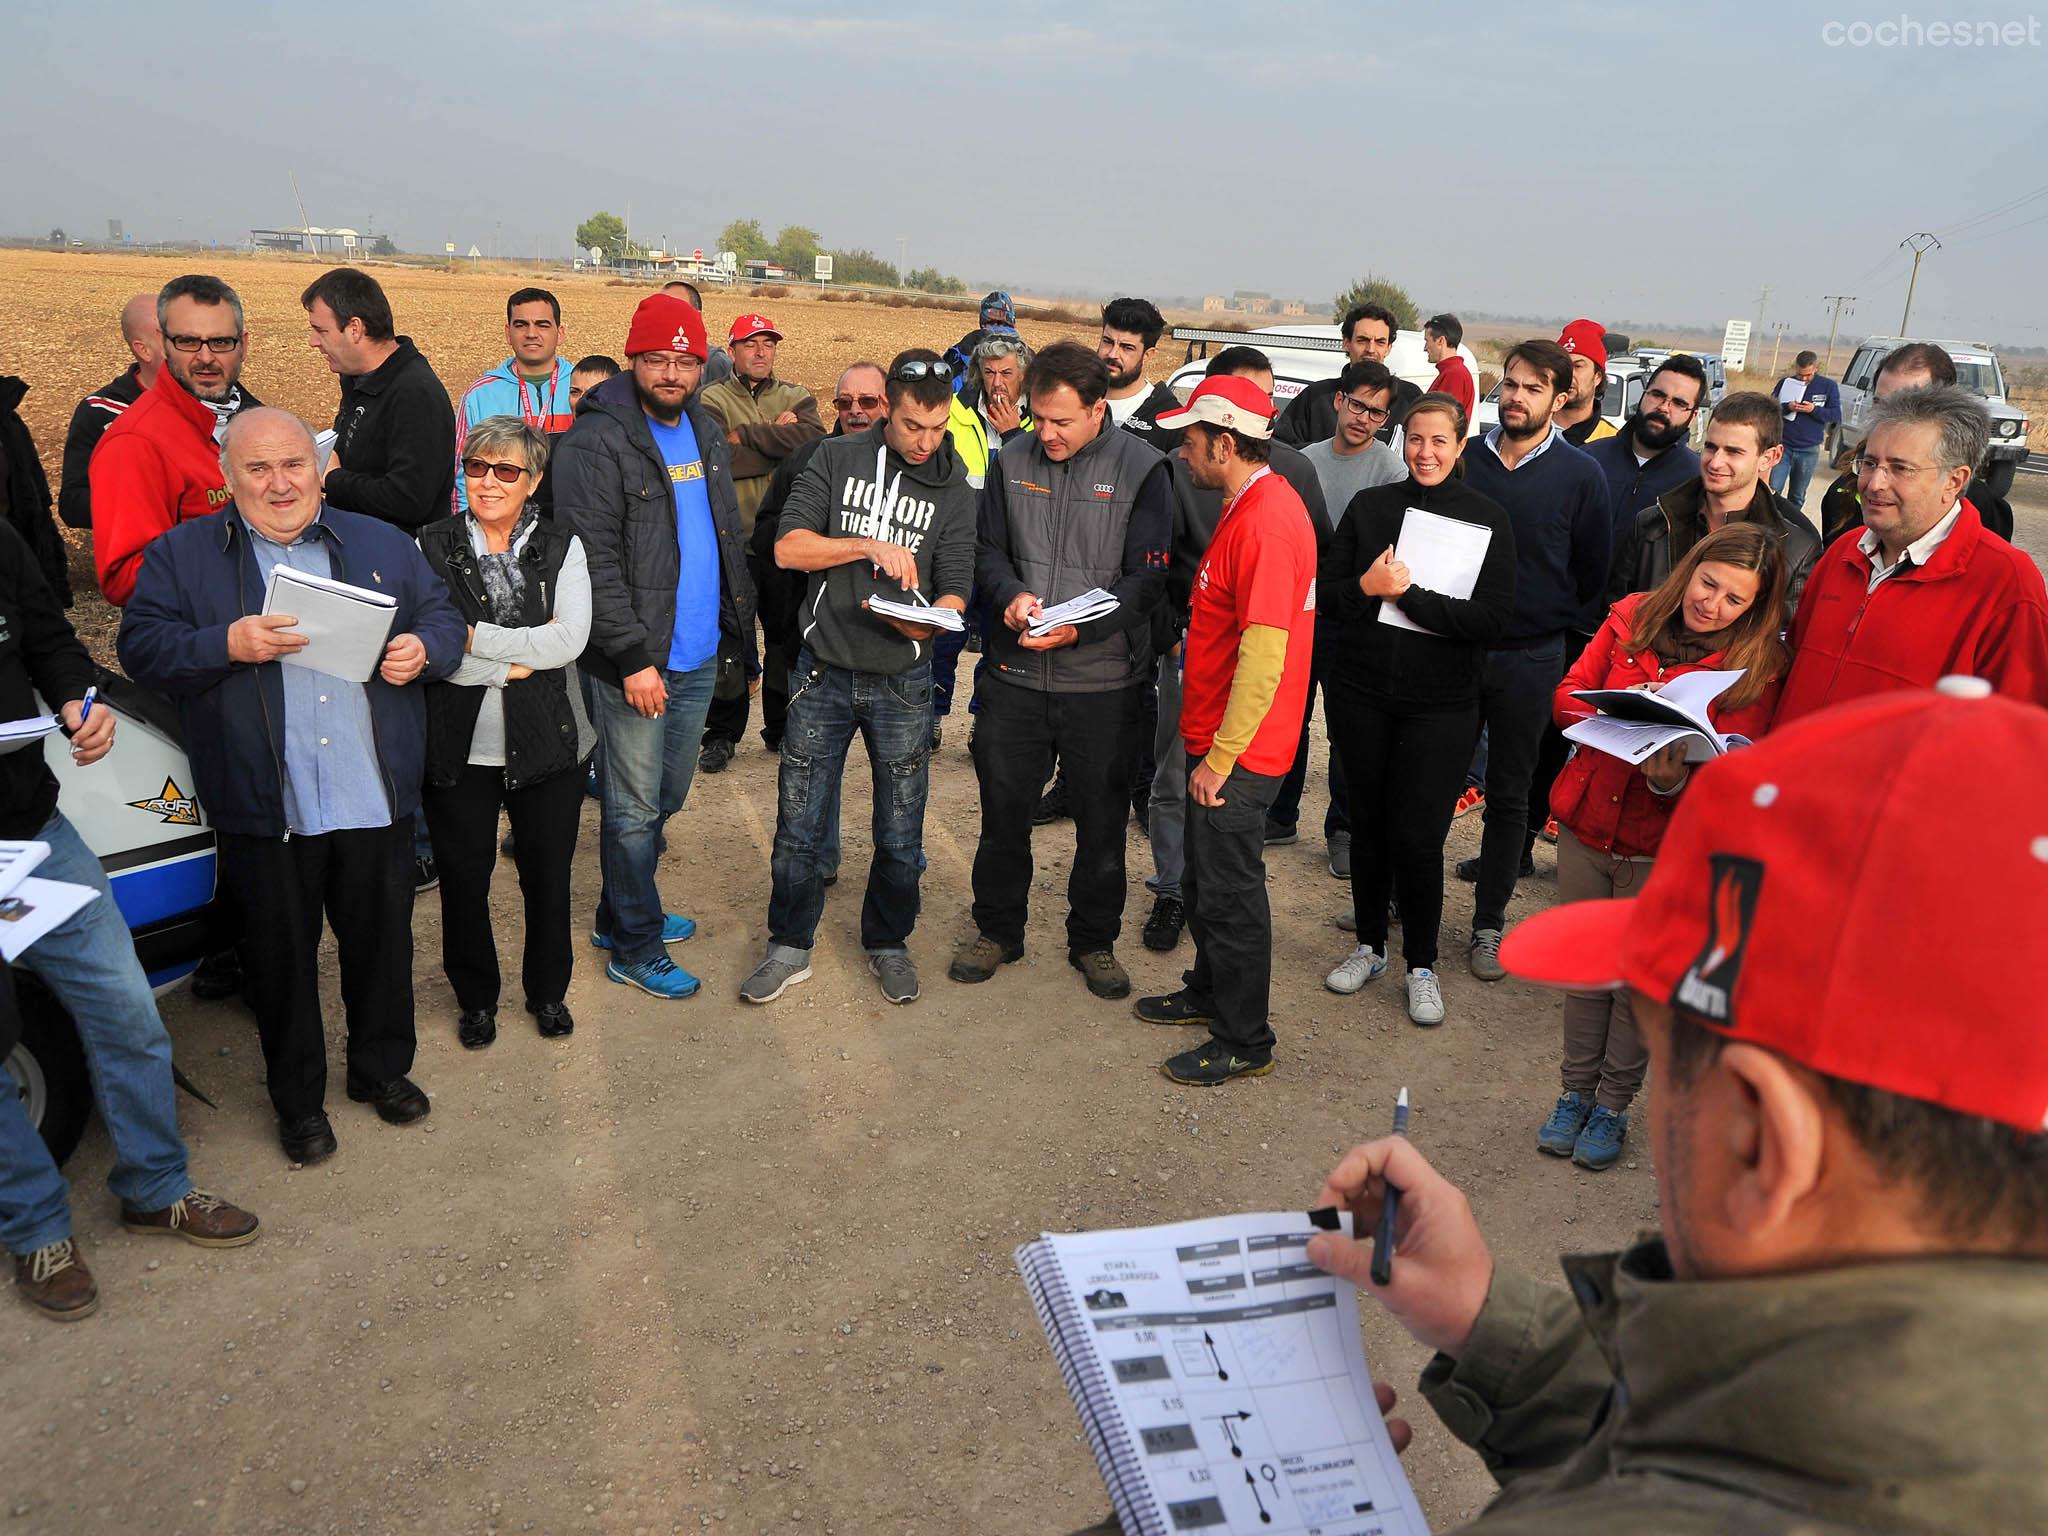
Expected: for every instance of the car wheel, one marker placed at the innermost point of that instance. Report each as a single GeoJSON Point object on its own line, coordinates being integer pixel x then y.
{"type": "Point", "coordinates": [48, 1072]}
{"type": "Point", "coordinates": [1998, 476]}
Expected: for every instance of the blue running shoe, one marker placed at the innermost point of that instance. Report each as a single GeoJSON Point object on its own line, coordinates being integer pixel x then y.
{"type": "Point", "coordinates": [659, 977]}
{"type": "Point", "coordinates": [1599, 1144]}
{"type": "Point", "coordinates": [1560, 1133]}
{"type": "Point", "coordinates": [674, 929]}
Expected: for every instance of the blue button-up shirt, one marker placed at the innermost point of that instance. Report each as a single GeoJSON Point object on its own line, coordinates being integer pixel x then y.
{"type": "Point", "coordinates": [332, 780]}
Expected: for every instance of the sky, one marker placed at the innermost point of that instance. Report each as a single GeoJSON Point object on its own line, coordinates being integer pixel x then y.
{"type": "Point", "coordinates": [1578, 157]}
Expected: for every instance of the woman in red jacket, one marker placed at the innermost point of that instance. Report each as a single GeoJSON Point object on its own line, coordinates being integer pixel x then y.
{"type": "Point", "coordinates": [1719, 610]}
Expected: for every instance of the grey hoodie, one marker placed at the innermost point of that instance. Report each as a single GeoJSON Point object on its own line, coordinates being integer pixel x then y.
{"type": "Point", "coordinates": [854, 488]}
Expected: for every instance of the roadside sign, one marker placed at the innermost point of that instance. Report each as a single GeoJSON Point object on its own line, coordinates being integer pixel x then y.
{"type": "Point", "coordinates": [1735, 343]}
{"type": "Point", "coordinates": [348, 242]}
{"type": "Point", "coordinates": [698, 254]}
{"type": "Point", "coordinates": [821, 268]}
{"type": "Point", "coordinates": [451, 247]}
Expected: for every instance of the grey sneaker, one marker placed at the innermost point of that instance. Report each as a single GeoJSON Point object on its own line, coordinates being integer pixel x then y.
{"type": "Point", "coordinates": [1425, 997]}
{"type": "Point", "coordinates": [1484, 956]}
{"type": "Point", "coordinates": [1340, 855]}
{"type": "Point", "coordinates": [897, 976]}
{"type": "Point", "coordinates": [774, 976]}
{"type": "Point", "coordinates": [1355, 970]}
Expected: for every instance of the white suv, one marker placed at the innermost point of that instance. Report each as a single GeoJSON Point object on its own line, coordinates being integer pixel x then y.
{"type": "Point", "coordinates": [1977, 371]}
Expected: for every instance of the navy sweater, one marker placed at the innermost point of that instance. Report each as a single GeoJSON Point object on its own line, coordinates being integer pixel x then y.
{"type": "Point", "coordinates": [1564, 534]}
{"type": "Point", "coordinates": [1630, 488]}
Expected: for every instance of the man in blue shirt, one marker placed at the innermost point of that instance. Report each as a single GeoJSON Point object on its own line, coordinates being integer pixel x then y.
{"type": "Point", "coordinates": [643, 479]}
{"type": "Point", "coordinates": [1810, 404]}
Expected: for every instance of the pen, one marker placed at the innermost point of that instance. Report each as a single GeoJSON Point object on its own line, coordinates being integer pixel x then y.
{"type": "Point", "coordinates": [1383, 1234]}
{"type": "Point", "coordinates": [85, 706]}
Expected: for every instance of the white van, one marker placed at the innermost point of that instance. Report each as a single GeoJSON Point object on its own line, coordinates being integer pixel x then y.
{"type": "Point", "coordinates": [1302, 354]}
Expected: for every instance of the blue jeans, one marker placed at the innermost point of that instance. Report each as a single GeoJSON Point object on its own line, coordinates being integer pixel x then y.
{"type": "Point", "coordinates": [647, 766]}
{"type": "Point", "coordinates": [1792, 473]}
{"type": "Point", "coordinates": [89, 963]}
{"type": "Point", "coordinates": [892, 713]}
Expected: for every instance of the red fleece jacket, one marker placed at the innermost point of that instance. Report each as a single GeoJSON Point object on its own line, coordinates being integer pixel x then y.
{"type": "Point", "coordinates": [157, 466]}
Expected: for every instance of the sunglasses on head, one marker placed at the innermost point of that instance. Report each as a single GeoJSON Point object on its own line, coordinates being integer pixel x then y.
{"type": "Point", "coordinates": [910, 373]}
{"type": "Point", "coordinates": [476, 469]}
{"type": "Point", "coordinates": [848, 402]}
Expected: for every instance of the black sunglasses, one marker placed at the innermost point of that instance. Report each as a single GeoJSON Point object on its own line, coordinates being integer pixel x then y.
{"type": "Point", "coordinates": [476, 469]}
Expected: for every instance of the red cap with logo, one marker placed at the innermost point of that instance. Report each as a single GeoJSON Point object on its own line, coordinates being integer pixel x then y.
{"type": "Point", "coordinates": [753, 325]}
{"type": "Point", "coordinates": [665, 323]}
{"type": "Point", "coordinates": [1584, 338]}
{"type": "Point", "coordinates": [1225, 401]}
{"type": "Point", "coordinates": [1861, 892]}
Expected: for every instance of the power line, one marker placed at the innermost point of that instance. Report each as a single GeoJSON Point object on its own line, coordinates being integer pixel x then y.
{"type": "Point", "coordinates": [1995, 233]}
{"type": "Point", "coordinates": [1992, 213]}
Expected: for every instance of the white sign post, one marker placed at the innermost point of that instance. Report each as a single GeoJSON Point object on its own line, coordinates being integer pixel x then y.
{"type": "Point", "coordinates": [821, 268]}
{"type": "Point", "coordinates": [450, 247]}
{"type": "Point", "coordinates": [1735, 344]}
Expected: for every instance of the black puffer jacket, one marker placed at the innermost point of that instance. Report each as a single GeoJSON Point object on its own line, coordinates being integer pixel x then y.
{"type": "Point", "coordinates": [1668, 528]}
{"type": "Point", "coordinates": [25, 492]}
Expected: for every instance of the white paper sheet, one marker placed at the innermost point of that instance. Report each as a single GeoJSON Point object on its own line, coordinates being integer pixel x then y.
{"type": "Point", "coordinates": [16, 862]}
{"type": "Point", "coordinates": [1092, 604]}
{"type": "Point", "coordinates": [1632, 723]}
{"type": "Point", "coordinates": [1792, 391]}
{"type": "Point", "coordinates": [1443, 555]}
{"type": "Point", "coordinates": [16, 734]}
{"type": "Point", "coordinates": [346, 626]}
{"type": "Point", "coordinates": [917, 613]}
{"type": "Point", "coordinates": [35, 907]}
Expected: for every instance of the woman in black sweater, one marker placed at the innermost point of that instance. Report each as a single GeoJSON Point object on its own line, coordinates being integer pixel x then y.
{"type": "Point", "coordinates": [1403, 704]}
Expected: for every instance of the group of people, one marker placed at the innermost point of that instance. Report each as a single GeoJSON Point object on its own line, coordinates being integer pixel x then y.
{"type": "Point", "coordinates": [594, 568]}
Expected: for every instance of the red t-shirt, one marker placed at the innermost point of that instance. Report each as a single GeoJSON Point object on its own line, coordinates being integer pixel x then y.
{"type": "Point", "coordinates": [1260, 568]}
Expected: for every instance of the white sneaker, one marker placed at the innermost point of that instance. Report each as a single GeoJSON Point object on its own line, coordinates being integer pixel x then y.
{"type": "Point", "coordinates": [1425, 997]}
{"type": "Point", "coordinates": [1359, 967]}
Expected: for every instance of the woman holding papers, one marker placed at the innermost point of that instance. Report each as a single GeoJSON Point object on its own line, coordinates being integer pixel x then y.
{"type": "Point", "coordinates": [1418, 581]}
{"type": "Point", "coordinates": [509, 727]}
{"type": "Point", "coordinates": [1719, 610]}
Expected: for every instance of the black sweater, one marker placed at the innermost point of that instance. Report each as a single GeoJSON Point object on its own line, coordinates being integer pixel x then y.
{"type": "Point", "coordinates": [1398, 665]}
{"type": "Point", "coordinates": [39, 653]}
{"type": "Point", "coordinates": [395, 437]}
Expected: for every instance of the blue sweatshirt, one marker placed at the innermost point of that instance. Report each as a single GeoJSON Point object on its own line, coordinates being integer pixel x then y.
{"type": "Point", "coordinates": [1807, 429]}
{"type": "Point", "coordinates": [1556, 499]}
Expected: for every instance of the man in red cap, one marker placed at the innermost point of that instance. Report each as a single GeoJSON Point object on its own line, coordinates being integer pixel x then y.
{"type": "Point", "coordinates": [1579, 418]}
{"type": "Point", "coordinates": [642, 478]}
{"type": "Point", "coordinates": [1841, 1327]}
{"type": "Point", "coordinates": [1251, 629]}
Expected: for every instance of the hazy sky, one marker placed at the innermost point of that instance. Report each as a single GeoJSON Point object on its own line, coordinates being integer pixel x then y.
{"type": "Point", "coordinates": [1619, 160]}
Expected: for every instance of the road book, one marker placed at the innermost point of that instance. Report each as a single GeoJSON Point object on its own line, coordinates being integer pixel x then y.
{"type": "Point", "coordinates": [1632, 723]}
{"type": "Point", "coordinates": [346, 626]}
{"type": "Point", "coordinates": [1220, 1378]}
{"type": "Point", "coordinates": [1092, 604]}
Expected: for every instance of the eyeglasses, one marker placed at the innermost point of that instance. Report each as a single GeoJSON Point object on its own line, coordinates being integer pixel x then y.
{"type": "Point", "coordinates": [848, 402]}
{"type": "Point", "coordinates": [1359, 408]}
{"type": "Point", "coordinates": [1671, 403]}
{"type": "Point", "coordinates": [219, 346]}
{"type": "Point", "coordinates": [476, 469]}
{"type": "Point", "coordinates": [1891, 469]}
{"type": "Point", "coordinates": [910, 373]}
{"type": "Point", "coordinates": [687, 363]}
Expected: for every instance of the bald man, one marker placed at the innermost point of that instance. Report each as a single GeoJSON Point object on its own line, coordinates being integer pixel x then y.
{"type": "Point", "coordinates": [96, 412]}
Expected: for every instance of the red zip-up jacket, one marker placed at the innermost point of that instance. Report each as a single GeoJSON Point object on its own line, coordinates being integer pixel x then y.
{"type": "Point", "coordinates": [157, 466]}
{"type": "Point", "coordinates": [1977, 607]}
{"type": "Point", "coordinates": [1607, 803]}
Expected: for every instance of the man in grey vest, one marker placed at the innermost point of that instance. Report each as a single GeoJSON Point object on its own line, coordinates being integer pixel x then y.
{"type": "Point", "coordinates": [1073, 506]}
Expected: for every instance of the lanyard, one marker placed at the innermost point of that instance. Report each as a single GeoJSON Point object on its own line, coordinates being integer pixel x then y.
{"type": "Point", "coordinates": [539, 421]}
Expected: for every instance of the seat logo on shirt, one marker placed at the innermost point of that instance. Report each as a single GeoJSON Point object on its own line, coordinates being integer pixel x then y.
{"type": "Point", "coordinates": [681, 473]}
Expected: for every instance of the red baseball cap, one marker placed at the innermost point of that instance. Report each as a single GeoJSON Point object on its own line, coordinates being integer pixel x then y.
{"type": "Point", "coordinates": [1584, 338]}
{"type": "Point", "coordinates": [753, 325]}
{"type": "Point", "coordinates": [1861, 892]}
{"type": "Point", "coordinates": [1225, 401]}
{"type": "Point", "coordinates": [662, 322]}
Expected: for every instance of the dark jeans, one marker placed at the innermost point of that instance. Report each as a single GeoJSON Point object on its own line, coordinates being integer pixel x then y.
{"type": "Point", "coordinates": [361, 881]}
{"type": "Point", "coordinates": [892, 714]}
{"type": "Point", "coordinates": [1406, 766]}
{"type": "Point", "coordinates": [1515, 689]}
{"type": "Point", "coordinates": [1552, 751]}
{"type": "Point", "coordinates": [1095, 736]}
{"type": "Point", "coordinates": [727, 718]}
{"type": "Point", "coordinates": [1287, 804]}
{"type": "Point", "coordinates": [946, 652]}
{"type": "Point", "coordinates": [1224, 885]}
{"type": "Point", "coordinates": [545, 817]}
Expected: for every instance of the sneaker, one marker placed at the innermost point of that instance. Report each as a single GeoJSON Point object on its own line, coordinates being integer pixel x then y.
{"type": "Point", "coordinates": [1425, 997]}
{"type": "Point", "coordinates": [938, 733]}
{"type": "Point", "coordinates": [1470, 801]}
{"type": "Point", "coordinates": [424, 875]}
{"type": "Point", "coordinates": [1484, 955]}
{"type": "Point", "coordinates": [1549, 833]}
{"type": "Point", "coordinates": [1171, 1008]}
{"type": "Point", "coordinates": [1099, 969]}
{"type": "Point", "coordinates": [897, 976]}
{"type": "Point", "coordinates": [1348, 920]}
{"type": "Point", "coordinates": [717, 754]}
{"type": "Point", "coordinates": [660, 977]}
{"type": "Point", "coordinates": [1599, 1144]}
{"type": "Point", "coordinates": [675, 928]}
{"type": "Point", "coordinates": [1355, 970]}
{"type": "Point", "coordinates": [1468, 869]}
{"type": "Point", "coordinates": [200, 1218]}
{"type": "Point", "coordinates": [1163, 927]}
{"type": "Point", "coordinates": [773, 977]}
{"type": "Point", "coordinates": [55, 1281]}
{"type": "Point", "coordinates": [1213, 1064]}
{"type": "Point", "coordinates": [1560, 1132]}
{"type": "Point", "coordinates": [977, 960]}
{"type": "Point", "coordinates": [1278, 836]}
{"type": "Point", "coordinates": [1052, 805]}
{"type": "Point", "coordinates": [477, 1028]}
{"type": "Point", "coordinates": [1340, 855]}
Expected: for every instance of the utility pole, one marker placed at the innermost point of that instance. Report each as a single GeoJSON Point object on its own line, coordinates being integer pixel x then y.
{"type": "Point", "coordinates": [1763, 297]}
{"type": "Point", "coordinates": [1839, 304]}
{"type": "Point", "coordinates": [1778, 330]}
{"type": "Point", "coordinates": [1919, 244]}
{"type": "Point", "coordinates": [902, 260]}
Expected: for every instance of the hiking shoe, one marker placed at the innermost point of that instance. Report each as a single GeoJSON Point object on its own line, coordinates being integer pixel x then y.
{"type": "Point", "coordinates": [1053, 805]}
{"type": "Point", "coordinates": [1163, 927]}
{"type": "Point", "coordinates": [1484, 955]}
{"type": "Point", "coordinates": [897, 976]}
{"type": "Point", "coordinates": [1278, 836]}
{"type": "Point", "coordinates": [1340, 855]}
{"type": "Point", "coordinates": [675, 928]}
{"type": "Point", "coordinates": [1213, 1064]}
{"type": "Point", "coordinates": [308, 1139]}
{"type": "Point", "coordinates": [1549, 833]}
{"type": "Point", "coordinates": [660, 977]}
{"type": "Point", "coordinates": [977, 961]}
{"type": "Point", "coordinates": [400, 1101]}
{"type": "Point", "coordinates": [1470, 801]}
{"type": "Point", "coordinates": [553, 1020]}
{"type": "Point", "coordinates": [1599, 1144]}
{"type": "Point", "coordinates": [1468, 869]}
{"type": "Point", "coordinates": [1560, 1133]}
{"type": "Point", "coordinates": [217, 976]}
{"type": "Point", "coordinates": [715, 757]}
{"type": "Point", "coordinates": [1171, 1008]}
{"type": "Point", "coordinates": [55, 1281]}
{"type": "Point", "coordinates": [201, 1218]}
{"type": "Point", "coordinates": [1099, 969]}
{"type": "Point", "coordinates": [773, 977]}
{"type": "Point", "coordinates": [424, 875]}
{"type": "Point", "coordinates": [1425, 997]}
{"type": "Point", "coordinates": [1355, 970]}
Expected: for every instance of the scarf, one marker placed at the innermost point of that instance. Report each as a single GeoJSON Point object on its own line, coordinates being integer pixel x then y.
{"type": "Point", "coordinates": [503, 577]}
{"type": "Point", "coordinates": [1677, 646]}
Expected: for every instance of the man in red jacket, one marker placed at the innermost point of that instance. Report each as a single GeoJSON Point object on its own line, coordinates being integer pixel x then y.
{"type": "Point", "coordinates": [1442, 335]}
{"type": "Point", "coordinates": [1922, 592]}
{"type": "Point", "coordinates": [159, 463]}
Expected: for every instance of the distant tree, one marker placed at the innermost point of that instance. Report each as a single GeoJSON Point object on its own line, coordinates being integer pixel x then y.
{"type": "Point", "coordinates": [607, 231]}
{"type": "Point", "coordinates": [932, 280]}
{"type": "Point", "coordinates": [863, 267]}
{"type": "Point", "coordinates": [746, 240]}
{"type": "Point", "coordinates": [383, 246]}
{"type": "Point", "coordinates": [56, 237]}
{"type": "Point", "coordinates": [1374, 289]}
{"type": "Point", "coordinates": [796, 248]}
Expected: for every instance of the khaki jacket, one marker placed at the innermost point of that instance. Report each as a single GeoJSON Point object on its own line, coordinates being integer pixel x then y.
{"type": "Point", "coordinates": [762, 444]}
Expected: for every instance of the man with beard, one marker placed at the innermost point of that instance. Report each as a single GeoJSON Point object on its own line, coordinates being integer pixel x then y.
{"type": "Point", "coordinates": [1311, 416]}
{"type": "Point", "coordinates": [1131, 329]}
{"type": "Point", "coordinates": [159, 464]}
{"type": "Point", "coordinates": [1650, 454]}
{"type": "Point", "coordinates": [103, 407]}
{"type": "Point", "coordinates": [1579, 418]}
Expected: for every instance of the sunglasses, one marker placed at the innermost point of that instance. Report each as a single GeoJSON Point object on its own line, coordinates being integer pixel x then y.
{"type": "Point", "coordinates": [476, 469]}
{"type": "Point", "coordinates": [219, 346]}
{"type": "Point", "coordinates": [848, 402]}
{"type": "Point", "coordinates": [910, 373]}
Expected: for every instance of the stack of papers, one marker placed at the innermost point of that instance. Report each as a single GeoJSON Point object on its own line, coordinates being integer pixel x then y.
{"type": "Point", "coordinates": [16, 734]}
{"type": "Point", "coordinates": [16, 860]}
{"type": "Point", "coordinates": [346, 626]}
{"type": "Point", "coordinates": [917, 613]}
{"type": "Point", "coordinates": [1633, 723]}
{"type": "Point", "coordinates": [1443, 555]}
{"type": "Point", "coordinates": [1092, 604]}
{"type": "Point", "coordinates": [30, 908]}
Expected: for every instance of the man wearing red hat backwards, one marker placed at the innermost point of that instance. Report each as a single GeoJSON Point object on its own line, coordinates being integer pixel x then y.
{"type": "Point", "coordinates": [1842, 1326]}
{"type": "Point", "coordinates": [1579, 418]}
